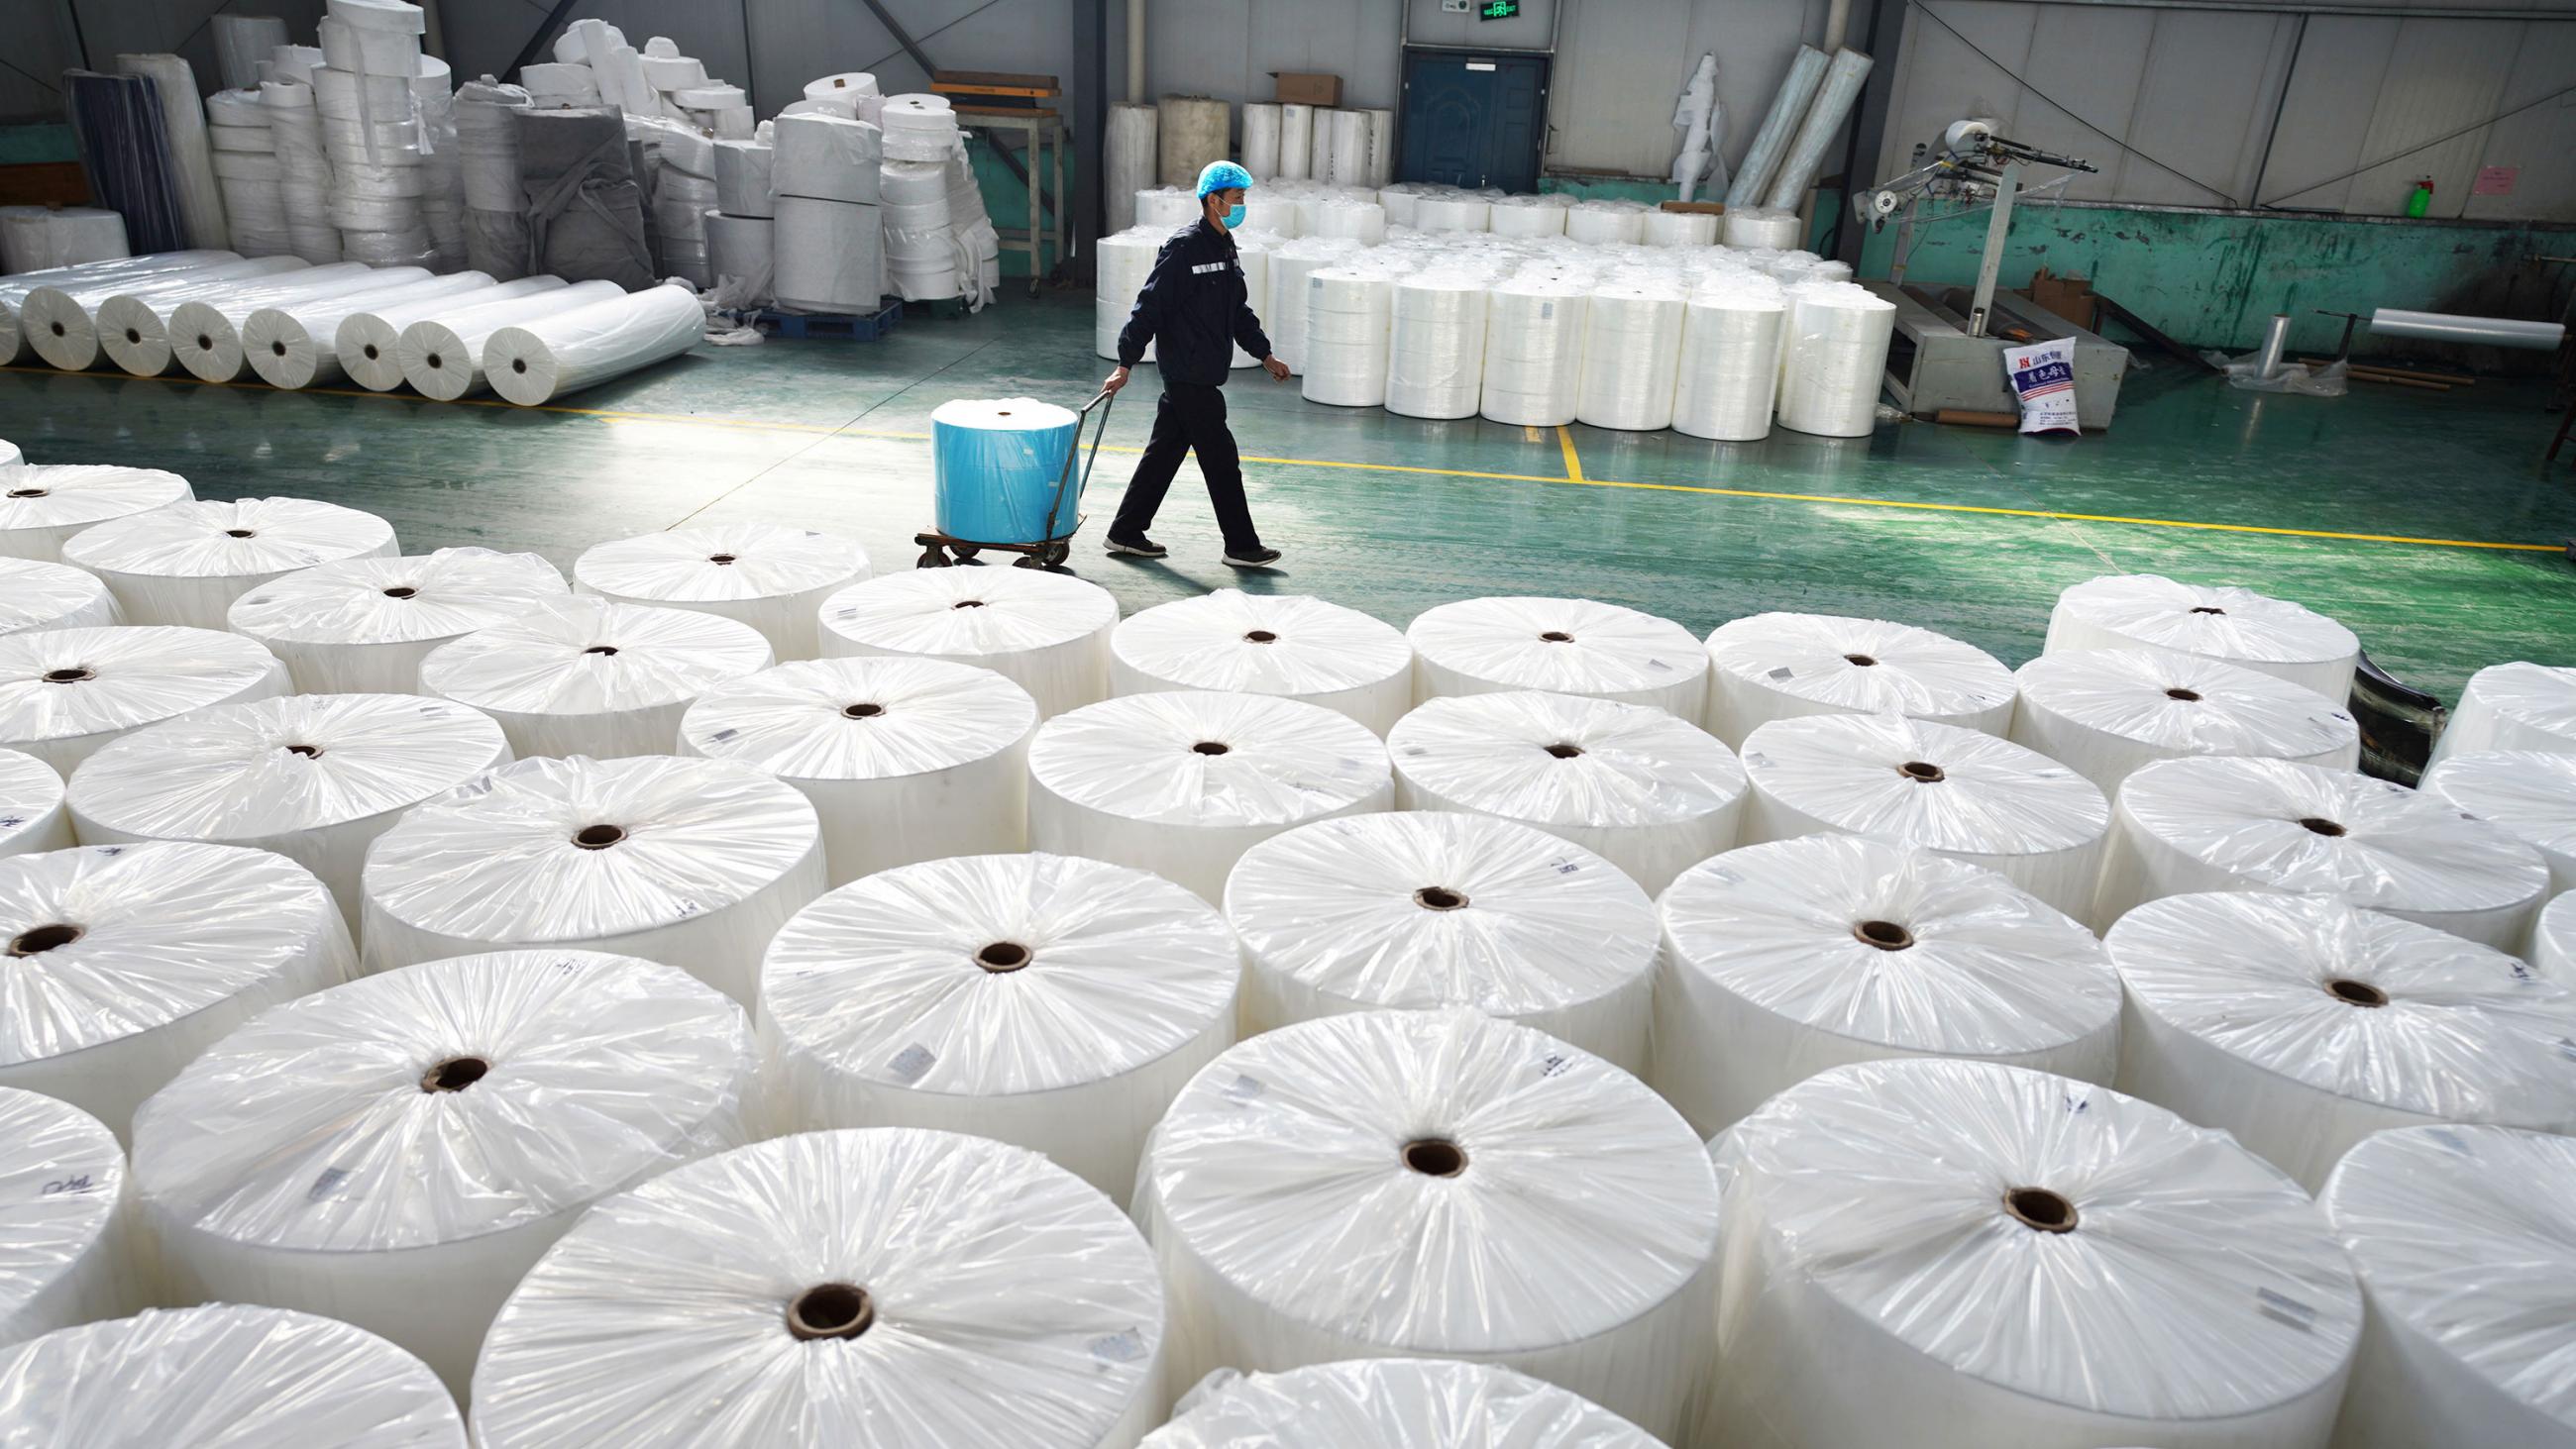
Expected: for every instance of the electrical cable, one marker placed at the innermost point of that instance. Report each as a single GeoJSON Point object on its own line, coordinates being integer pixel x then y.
{"type": "Point", "coordinates": [2424, 145]}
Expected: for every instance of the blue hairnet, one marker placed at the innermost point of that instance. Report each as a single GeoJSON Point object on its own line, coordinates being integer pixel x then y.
{"type": "Point", "coordinates": [1223, 176]}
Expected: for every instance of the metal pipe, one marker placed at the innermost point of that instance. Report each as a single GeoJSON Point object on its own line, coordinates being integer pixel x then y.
{"type": "Point", "coordinates": [1136, 52]}
{"type": "Point", "coordinates": [2276, 339]}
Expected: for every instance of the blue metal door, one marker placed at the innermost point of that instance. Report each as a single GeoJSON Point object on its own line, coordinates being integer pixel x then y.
{"type": "Point", "coordinates": [1473, 120]}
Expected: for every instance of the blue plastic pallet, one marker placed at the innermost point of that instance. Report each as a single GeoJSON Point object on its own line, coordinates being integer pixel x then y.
{"type": "Point", "coordinates": [822, 326]}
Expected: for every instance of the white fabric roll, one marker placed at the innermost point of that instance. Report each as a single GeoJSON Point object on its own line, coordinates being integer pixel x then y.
{"type": "Point", "coordinates": [298, 347]}
{"type": "Point", "coordinates": [846, 85]}
{"type": "Point", "coordinates": [368, 344]}
{"type": "Point", "coordinates": [128, 961]}
{"type": "Point", "coordinates": [1534, 350]}
{"type": "Point", "coordinates": [2107, 712]}
{"type": "Point", "coordinates": [1835, 359]}
{"type": "Point", "coordinates": [397, 1152]}
{"type": "Point", "coordinates": [830, 256]}
{"type": "Point", "coordinates": [744, 171]}
{"type": "Point", "coordinates": [693, 863]}
{"type": "Point", "coordinates": [675, 1311]}
{"type": "Point", "coordinates": [1563, 646]}
{"type": "Point", "coordinates": [1465, 212]}
{"type": "Point", "coordinates": [1425, 910]}
{"type": "Point", "coordinates": [1165, 207]}
{"type": "Point", "coordinates": [38, 595]}
{"type": "Point", "coordinates": [2508, 707]}
{"type": "Point", "coordinates": [769, 576]}
{"type": "Point", "coordinates": [1524, 216]}
{"type": "Point", "coordinates": [2301, 1025]}
{"type": "Point", "coordinates": [1125, 260]}
{"type": "Point", "coordinates": [1348, 313]}
{"type": "Point", "coordinates": [2238, 626]}
{"type": "Point", "coordinates": [670, 73]}
{"type": "Point", "coordinates": [1295, 1188]}
{"type": "Point", "coordinates": [1679, 229]}
{"type": "Point", "coordinates": [1436, 346]}
{"type": "Point", "coordinates": [1261, 139]}
{"type": "Point", "coordinates": [1598, 222]}
{"type": "Point", "coordinates": [2553, 938]}
{"type": "Point", "coordinates": [363, 626]}
{"type": "Point", "coordinates": [1047, 633]}
{"type": "Point", "coordinates": [43, 505]}
{"type": "Point", "coordinates": [145, 335]}
{"type": "Point", "coordinates": [67, 1228]}
{"type": "Point", "coordinates": [1950, 791]}
{"type": "Point", "coordinates": [487, 137]}
{"type": "Point", "coordinates": [826, 158]}
{"type": "Point", "coordinates": [1631, 357]}
{"type": "Point", "coordinates": [2461, 1238]}
{"type": "Point", "coordinates": [1785, 666]}
{"type": "Point", "coordinates": [32, 817]}
{"type": "Point", "coordinates": [187, 562]}
{"type": "Point", "coordinates": [1129, 160]}
{"type": "Point", "coordinates": [1362, 221]}
{"type": "Point", "coordinates": [1949, 1254]}
{"type": "Point", "coordinates": [18, 286]}
{"type": "Point", "coordinates": [1182, 783]}
{"type": "Point", "coordinates": [589, 676]}
{"type": "Point", "coordinates": [1297, 149]}
{"type": "Point", "coordinates": [1293, 645]}
{"type": "Point", "coordinates": [1748, 227]}
{"type": "Point", "coordinates": [904, 760]}
{"type": "Point", "coordinates": [206, 337]}
{"type": "Point", "coordinates": [1050, 1002]}
{"type": "Point", "coordinates": [1728, 373]}
{"type": "Point", "coordinates": [66, 692]}
{"type": "Point", "coordinates": [1346, 158]}
{"type": "Point", "coordinates": [2227, 824]}
{"type": "Point", "coordinates": [442, 356]}
{"type": "Point", "coordinates": [61, 322]}
{"type": "Point", "coordinates": [1404, 1403]}
{"type": "Point", "coordinates": [2529, 794]}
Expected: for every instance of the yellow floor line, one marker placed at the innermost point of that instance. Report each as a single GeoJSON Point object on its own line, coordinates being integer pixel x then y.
{"type": "Point", "coordinates": [1573, 464]}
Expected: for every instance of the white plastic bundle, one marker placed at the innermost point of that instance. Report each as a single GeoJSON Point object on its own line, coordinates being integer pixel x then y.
{"type": "Point", "coordinates": [1047, 633]}
{"type": "Point", "coordinates": [828, 256]}
{"type": "Point", "coordinates": [2513, 707]}
{"type": "Point", "coordinates": [1292, 267]}
{"type": "Point", "coordinates": [39, 595]}
{"type": "Point", "coordinates": [1950, 791]}
{"type": "Point", "coordinates": [2527, 793]}
{"type": "Point", "coordinates": [2226, 824]}
{"type": "Point", "coordinates": [1125, 260]}
{"type": "Point", "coordinates": [769, 576]}
{"type": "Point", "coordinates": [1523, 216]}
{"type": "Point", "coordinates": [44, 238]}
{"type": "Point", "coordinates": [693, 863]}
{"type": "Point", "coordinates": [363, 626]}
{"type": "Point", "coordinates": [399, 1151]}
{"type": "Point", "coordinates": [304, 165]}
{"type": "Point", "coordinates": [368, 344]}
{"type": "Point", "coordinates": [43, 505]}
{"type": "Point", "coordinates": [1835, 359]}
{"type": "Point", "coordinates": [795, 1292]}
{"type": "Point", "coordinates": [297, 347]}
{"type": "Point", "coordinates": [1293, 645]}
{"type": "Point", "coordinates": [591, 676]}
{"type": "Point", "coordinates": [1729, 373]}
{"type": "Point", "coordinates": [1631, 357]}
{"type": "Point", "coordinates": [1947, 1254]}
{"type": "Point", "coordinates": [1534, 351]}
{"type": "Point", "coordinates": [2553, 938]}
{"type": "Point", "coordinates": [2238, 626]}
{"type": "Point", "coordinates": [1436, 346]}
{"type": "Point", "coordinates": [206, 336]}
{"type": "Point", "coordinates": [1788, 959]}
{"type": "Point", "coordinates": [1562, 646]}
{"type": "Point", "coordinates": [60, 320]}
{"type": "Point", "coordinates": [825, 157]}
{"type": "Point", "coordinates": [1785, 666]}
{"type": "Point", "coordinates": [2107, 712]}
{"type": "Point", "coordinates": [32, 817]}
{"type": "Point", "coordinates": [126, 962]}
{"type": "Point", "coordinates": [1162, 209]}
{"type": "Point", "coordinates": [66, 692]}
{"type": "Point", "coordinates": [135, 330]}
{"type": "Point", "coordinates": [744, 177]}
{"type": "Point", "coordinates": [1680, 229]}
{"type": "Point", "coordinates": [66, 1220]}
{"type": "Point", "coordinates": [1400, 1403]}
{"type": "Point", "coordinates": [1749, 227]}
{"type": "Point", "coordinates": [442, 356]}
{"type": "Point", "coordinates": [1597, 222]}
{"type": "Point", "coordinates": [185, 563]}
{"type": "Point", "coordinates": [1348, 313]}
{"type": "Point", "coordinates": [1362, 221]}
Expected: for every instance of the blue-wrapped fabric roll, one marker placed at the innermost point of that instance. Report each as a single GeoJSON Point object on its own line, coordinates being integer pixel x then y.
{"type": "Point", "coordinates": [999, 462]}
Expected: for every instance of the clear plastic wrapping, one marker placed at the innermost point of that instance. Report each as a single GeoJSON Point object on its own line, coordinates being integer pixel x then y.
{"type": "Point", "coordinates": [769, 576]}
{"type": "Point", "coordinates": [67, 1229]}
{"type": "Point", "coordinates": [1562, 646]}
{"type": "Point", "coordinates": [38, 595]}
{"type": "Point", "coordinates": [442, 356]}
{"type": "Point", "coordinates": [32, 816]}
{"type": "Point", "coordinates": [2108, 712]}
{"type": "Point", "coordinates": [1834, 362]}
{"type": "Point", "coordinates": [1047, 633]}
{"type": "Point", "coordinates": [1436, 1183]}
{"type": "Point", "coordinates": [1786, 666]}
{"type": "Point", "coordinates": [297, 347]}
{"type": "Point", "coordinates": [2239, 626]}
{"type": "Point", "coordinates": [590, 676]}
{"type": "Point", "coordinates": [187, 562]}
{"type": "Point", "coordinates": [136, 330]}
{"type": "Point", "coordinates": [15, 288]}
{"type": "Point", "coordinates": [397, 1152]}
{"type": "Point", "coordinates": [859, 1288]}
{"type": "Point", "coordinates": [368, 344]}
{"type": "Point", "coordinates": [1534, 349]}
{"type": "Point", "coordinates": [2514, 706]}
{"type": "Point", "coordinates": [2553, 938]}
{"type": "Point", "coordinates": [1436, 343]}
{"type": "Point", "coordinates": [1293, 645]}
{"type": "Point", "coordinates": [1728, 374]}
{"type": "Point", "coordinates": [362, 626]}
{"type": "Point", "coordinates": [2529, 794]}
{"type": "Point", "coordinates": [535, 362]}
{"type": "Point", "coordinates": [66, 692]}
{"type": "Point", "coordinates": [1632, 349]}
{"type": "Point", "coordinates": [43, 505]}
{"type": "Point", "coordinates": [1392, 1403]}
{"type": "Point", "coordinates": [61, 322]}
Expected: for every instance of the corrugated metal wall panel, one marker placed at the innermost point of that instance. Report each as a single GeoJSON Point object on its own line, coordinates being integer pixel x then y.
{"type": "Point", "coordinates": [2536, 142]}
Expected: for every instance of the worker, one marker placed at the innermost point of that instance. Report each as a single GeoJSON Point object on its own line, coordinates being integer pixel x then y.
{"type": "Point", "coordinates": [1194, 305]}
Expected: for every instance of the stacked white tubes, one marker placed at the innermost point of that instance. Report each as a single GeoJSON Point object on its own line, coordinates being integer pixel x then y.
{"type": "Point", "coordinates": [1748, 227]}
{"type": "Point", "coordinates": [693, 863]}
{"type": "Point", "coordinates": [17, 289]}
{"type": "Point", "coordinates": [1400, 1403]}
{"type": "Point", "coordinates": [2529, 794]}
{"type": "Point", "coordinates": [67, 1225]}
{"type": "Point", "coordinates": [919, 127]}
{"type": "Point", "coordinates": [1680, 229]}
{"type": "Point", "coordinates": [36, 595]}
{"type": "Point", "coordinates": [1293, 645]}
{"type": "Point", "coordinates": [61, 321]}
{"type": "Point", "coordinates": [2227, 824]}
{"type": "Point", "coordinates": [185, 563]}
{"type": "Point", "coordinates": [2004, 1255]}
{"type": "Point", "coordinates": [1728, 374]}
{"type": "Point", "coordinates": [1947, 790]}
{"type": "Point", "coordinates": [399, 1151]}
{"type": "Point", "coordinates": [1297, 149]}
{"type": "Point", "coordinates": [2553, 938]}
{"type": "Point", "coordinates": [297, 346]}
{"type": "Point", "coordinates": [1160, 209]}
{"type": "Point", "coordinates": [368, 344]}
{"type": "Point", "coordinates": [535, 361]}
{"type": "Point", "coordinates": [1785, 666]}
{"type": "Point", "coordinates": [1436, 346]}
{"type": "Point", "coordinates": [1454, 213]}
{"type": "Point", "coordinates": [489, 179]}
{"type": "Point", "coordinates": [1290, 1188]}
{"type": "Point", "coordinates": [659, 1316]}
{"type": "Point", "coordinates": [1362, 221]}
{"type": "Point", "coordinates": [205, 335]}
{"type": "Point", "coordinates": [771, 577]}
{"type": "Point", "coordinates": [1261, 140]}
{"type": "Point", "coordinates": [1346, 162]}
{"type": "Point", "coordinates": [1562, 646]}
{"type": "Point", "coordinates": [1522, 216]}
{"type": "Point", "coordinates": [247, 172]}
{"type": "Point", "coordinates": [921, 230]}
{"type": "Point", "coordinates": [2513, 707]}
{"type": "Point", "coordinates": [1292, 265]}
{"type": "Point", "coordinates": [1631, 357]}
{"type": "Point", "coordinates": [831, 242]}
{"type": "Point", "coordinates": [304, 167]}
{"type": "Point", "coordinates": [442, 356]}
{"type": "Point", "coordinates": [43, 505]}
{"type": "Point", "coordinates": [557, 85]}
{"type": "Point", "coordinates": [1650, 793]}
{"type": "Point", "coordinates": [589, 676]}
{"type": "Point", "coordinates": [683, 162]}
{"type": "Point", "coordinates": [1534, 350]}
{"type": "Point", "coordinates": [128, 961]}
{"type": "Point", "coordinates": [2108, 712]}
{"type": "Point", "coordinates": [1182, 783]}
{"type": "Point", "coordinates": [1834, 359]}
{"type": "Point", "coordinates": [1596, 222]}
{"type": "Point", "coordinates": [363, 626]}
{"type": "Point", "coordinates": [66, 692]}
{"type": "Point", "coordinates": [134, 328]}
{"type": "Point", "coordinates": [2238, 626]}
{"type": "Point", "coordinates": [1348, 313]}
{"type": "Point", "coordinates": [1054, 1003]}
{"type": "Point", "coordinates": [32, 817]}
{"type": "Point", "coordinates": [372, 132]}
{"type": "Point", "coordinates": [1125, 260]}
{"type": "Point", "coordinates": [1047, 633]}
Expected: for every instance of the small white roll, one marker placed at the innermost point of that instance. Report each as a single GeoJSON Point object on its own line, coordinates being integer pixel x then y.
{"type": "Point", "coordinates": [1292, 645]}
{"type": "Point", "coordinates": [67, 1229]}
{"type": "Point", "coordinates": [38, 595]}
{"type": "Point", "coordinates": [1562, 646]}
{"type": "Point", "coordinates": [1393, 1403]}
{"type": "Point", "coordinates": [1047, 633]}
{"type": "Point", "coordinates": [1632, 350]}
{"type": "Point", "coordinates": [32, 816]}
{"type": "Point", "coordinates": [743, 177]}
{"type": "Point", "coordinates": [2506, 707]}
{"type": "Point", "coordinates": [1951, 791]}
{"type": "Point", "coordinates": [769, 576]}
{"type": "Point", "coordinates": [904, 759]}
{"type": "Point", "coordinates": [66, 692]}
{"type": "Point", "coordinates": [2529, 794]}
{"type": "Point", "coordinates": [187, 562]}
{"type": "Point", "coordinates": [1748, 227]}
{"type": "Point", "coordinates": [1534, 349]}
{"type": "Point", "coordinates": [1729, 376]}
{"type": "Point", "coordinates": [1787, 666]}
{"type": "Point", "coordinates": [43, 505]}
{"type": "Point", "coordinates": [362, 626]}
{"type": "Point", "coordinates": [1834, 359]}
{"type": "Point", "coordinates": [2238, 626]}
{"type": "Point", "coordinates": [2225, 824]}
{"type": "Point", "coordinates": [591, 676]}
{"type": "Point", "coordinates": [2107, 712]}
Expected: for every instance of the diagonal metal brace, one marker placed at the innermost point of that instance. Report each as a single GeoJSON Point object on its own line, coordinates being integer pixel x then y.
{"type": "Point", "coordinates": [920, 57]}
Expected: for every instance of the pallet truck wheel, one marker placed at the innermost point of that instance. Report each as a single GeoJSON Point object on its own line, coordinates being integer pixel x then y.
{"type": "Point", "coordinates": [965, 554]}
{"type": "Point", "coordinates": [931, 558]}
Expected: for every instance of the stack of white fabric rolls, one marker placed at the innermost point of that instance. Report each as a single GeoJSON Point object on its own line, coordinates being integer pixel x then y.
{"type": "Point", "coordinates": [2233, 625]}
{"type": "Point", "coordinates": [248, 172]}
{"type": "Point", "coordinates": [1436, 346]}
{"type": "Point", "coordinates": [742, 231]}
{"type": "Point", "coordinates": [830, 246]}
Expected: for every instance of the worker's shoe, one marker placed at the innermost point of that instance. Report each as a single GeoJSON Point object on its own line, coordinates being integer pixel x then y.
{"type": "Point", "coordinates": [1259, 558]}
{"type": "Point", "coordinates": [1136, 547]}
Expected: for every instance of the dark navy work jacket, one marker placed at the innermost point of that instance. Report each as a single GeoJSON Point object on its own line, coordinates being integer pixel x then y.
{"type": "Point", "coordinates": [1195, 307]}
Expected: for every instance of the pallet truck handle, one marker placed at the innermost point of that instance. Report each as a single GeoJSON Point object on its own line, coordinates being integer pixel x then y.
{"type": "Point", "coordinates": [1065, 487]}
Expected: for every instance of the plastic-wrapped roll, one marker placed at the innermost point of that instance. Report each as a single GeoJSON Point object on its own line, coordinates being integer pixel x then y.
{"type": "Point", "coordinates": [999, 468]}
{"type": "Point", "coordinates": [2505, 707]}
{"type": "Point", "coordinates": [1348, 313]}
{"type": "Point", "coordinates": [1182, 783]}
{"type": "Point", "coordinates": [1680, 229]}
{"type": "Point", "coordinates": [2529, 794]}
{"type": "Point", "coordinates": [1947, 790]}
{"type": "Point", "coordinates": [66, 1220]}
{"type": "Point", "coordinates": [128, 961]}
{"type": "Point", "coordinates": [1292, 645]}
{"type": "Point", "coordinates": [1631, 357]}
{"type": "Point", "coordinates": [1272, 214]}
{"type": "Point", "coordinates": [1403, 202]}
{"type": "Point", "coordinates": [43, 505]}
{"type": "Point", "coordinates": [771, 577]}
{"type": "Point", "coordinates": [2237, 626]}
{"type": "Point", "coordinates": [1292, 266]}
{"type": "Point", "coordinates": [1128, 162]}
{"type": "Point", "coordinates": [2553, 938]}
{"type": "Point", "coordinates": [1047, 633]}
{"type": "Point", "coordinates": [1651, 793]}
{"type": "Point", "coordinates": [2227, 824]}
{"type": "Point", "coordinates": [794, 1291]}
{"type": "Point", "coordinates": [590, 676]}
{"type": "Point", "coordinates": [185, 563]}
{"type": "Point", "coordinates": [399, 1151]}
{"type": "Point", "coordinates": [1534, 352]}
{"type": "Point", "coordinates": [1363, 221]}
{"type": "Point", "coordinates": [61, 322]}
{"type": "Point", "coordinates": [137, 332]}
{"type": "Point", "coordinates": [1786, 666]}
{"type": "Point", "coordinates": [363, 626]}
{"type": "Point", "coordinates": [826, 158]}
{"type": "Point", "coordinates": [66, 692]}
{"type": "Point", "coordinates": [844, 86]}
{"type": "Point", "coordinates": [368, 344]}
{"type": "Point", "coordinates": [1261, 140]}
{"type": "Point", "coordinates": [742, 255]}
{"type": "Point", "coordinates": [314, 778]}
{"type": "Point", "coordinates": [1292, 1188]}
{"type": "Point", "coordinates": [1162, 208]}
{"type": "Point", "coordinates": [206, 336]}
{"type": "Point", "coordinates": [1598, 222]}
{"type": "Point", "coordinates": [1748, 227]}
{"type": "Point", "coordinates": [904, 759]}
{"type": "Point", "coordinates": [1346, 162]}
{"type": "Point", "coordinates": [1436, 346]}
{"type": "Point", "coordinates": [1297, 149]}
{"type": "Point", "coordinates": [1381, 148]}
{"type": "Point", "coordinates": [1125, 260]}
{"type": "Point", "coordinates": [38, 595]}
{"type": "Point", "coordinates": [442, 356]}
{"type": "Point", "coordinates": [2461, 1236]}
{"type": "Point", "coordinates": [1835, 359]}
{"type": "Point", "coordinates": [2302, 1024]}
{"type": "Point", "coordinates": [296, 347]}
{"type": "Point", "coordinates": [1401, 1403]}
{"type": "Point", "coordinates": [32, 817]}
{"type": "Point", "coordinates": [1728, 373]}
{"type": "Point", "coordinates": [2007, 1256]}
{"type": "Point", "coordinates": [830, 255]}
{"type": "Point", "coordinates": [1050, 1002]}
{"type": "Point", "coordinates": [693, 863]}
{"type": "Point", "coordinates": [1562, 646]}
{"type": "Point", "coordinates": [538, 359]}
{"type": "Point", "coordinates": [15, 288]}
{"type": "Point", "coordinates": [743, 177]}
{"type": "Point", "coordinates": [1524, 216]}
{"type": "Point", "coordinates": [2107, 712]}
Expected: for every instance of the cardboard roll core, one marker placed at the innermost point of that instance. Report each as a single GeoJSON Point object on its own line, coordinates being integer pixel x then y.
{"type": "Point", "coordinates": [831, 1310]}
{"type": "Point", "coordinates": [401, 591]}
{"type": "Point", "coordinates": [1922, 773]}
{"type": "Point", "coordinates": [1557, 636]}
{"type": "Point", "coordinates": [601, 649]}
{"type": "Point", "coordinates": [1003, 957]}
{"type": "Point", "coordinates": [72, 675]}
{"type": "Point", "coordinates": [2359, 993]}
{"type": "Point", "coordinates": [967, 604]}
{"type": "Point", "coordinates": [1439, 898]}
{"type": "Point", "coordinates": [1435, 1157]}
{"type": "Point", "coordinates": [2322, 827]}
{"type": "Point", "coordinates": [45, 938]}
{"type": "Point", "coordinates": [1863, 660]}
{"type": "Point", "coordinates": [1885, 935]}
{"type": "Point", "coordinates": [240, 533]}
{"type": "Point", "coordinates": [2040, 1210]}
{"type": "Point", "coordinates": [2206, 609]}
{"type": "Point", "coordinates": [31, 492]}
{"type": "Point", "coordinates": [1260, 636]}
{"type": "Point", "coordinates": [1208, 747]}
{"type": "Point", "coordinates": [2185, 695]}
{"type": "Point", "coordinates": [310, 752]}
{"type": "Point", "coordinates": [1564, 751]}
{"type": "Point", "coordinates": [720, 558]}
{"type": "Point", "coordinates": [598, 837]}
{"type": "Point", "coordinates": [454, 1074]}
{"type": "Point", "coordinates": [862, 711]}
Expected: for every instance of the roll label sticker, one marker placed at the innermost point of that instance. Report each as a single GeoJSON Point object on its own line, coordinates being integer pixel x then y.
{"type": "Point", "coordinates": [327, 1185]}
{"type": "Point", "coordinates": [910, 1064]}
{"type": "Point", "coordinates": [1123, 1347]}
{"type": "Point", "coordinates": [1554, 1064]}
{"type": "Point", "coordinates": [1245, 1089]}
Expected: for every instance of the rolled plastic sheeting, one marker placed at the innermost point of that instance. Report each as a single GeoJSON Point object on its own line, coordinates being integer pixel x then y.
{"type": "Point", "coordinates": [2108, 712]}
{"type": "Point", "coordinates": [1393, 1404]}
{"type": "Point", "coordinates": [66, 692]}
{"type": "Point", "coordinates": [536, 360]}
{"type": "Point", "coordinates": [1791, 958]}
{"type": "Point", "coordinates": [905, 760]}
{"type": "Point", "coordinates": [1047, 633]}
{"type": "Point", "coordinates": [1348, 313]}
{"type": "Point", "coordinates": [38, 595]}
{"type": "Point", "coordinates": [399, 1151]}
{"type": "Point", "coordinates": [1261, 140]}
{"type": "Point", "coordinates": [1804, 159]}
{"type": "Point", "coordinates": [297, 347]}
{"type": "Point", "coordinates": [1836, 359]}
{"type": "Point", "coordinates": [1631, 357]}
{"type": "Point", "coordinates": [1728, 375]}
{"type": "Point", "coordinates": [442, 356]}
{"type": "Point", "coordinates": [2461, 1237]}
{"type": "Point", "coordinates": [363, 626]}
{"type": "Point", "coordinates": [1124, 260]}
{"type": "Point", "coordinates": [2227, 824]}
{"type": "Point", "coordinates": [829, 256]}
{"type": "Point", "coordinates": [1130, 161]}
{"type": "Point", "coordinates": [1348, 163]}
{"type": "Point", "coordinates": [43, 505]}
{"type": "Point", "coordinates": [2302, 1024]}
{"type": "Point", "coordinates": [128, 961]}
{"type": "Point", "coordinates": [1291, 645]}
{"type": "Point", "coordinates": [190, 160]}
{"type": "Point", "coordinates": [658, 1319]}
{"type": "Point", "coordinates": [1947, 790]}
{"type": "Point", "coordinates": [61, 322]}
{"type": "Point", "coordinates": [769, 576]}
{"type": "Point", "coordinates": [207, 338]}
{"type": "Point", "coordinates": [590, 676]}
{"type": "Point", "coordinates": [15, 288]}
{"type": "Point", "coordinates": [1436, 346]}
{"type": "Point", "coordinates": [2239, 626]}
{"type": "Point", "coordinates": [185, 563]}
{"type": "Point", "coordinates": [2468, 331]}
{"type": "Point", "coordinates": [2529, 794]}
{"type": "Point", "coordinates": [744, 172]}
{"type": "Point", "coordinates": [2007, 1256]}
{"type": "Point", "coordinates": [1598, 223]}
{"type": "Point", "coordinates": [2516, 706]}
{"type": "Point", "coordinates": [1001, 469]}
{"type": "Point", "coordinates": [67, 1229]}
{"type": "Point", "coordinates": [1563, 646]}
{"type": "Point", "coordinates": [1760, 226]}
{"type": "Point", "coordinates": [1788, 107]}
{"type": "Point", "coordinates": [368, 344]}
{"type": "Point", "coordinates": [1520, 216]}
{"type": "Point", "coordinates": [143, 335]}
{"type": "Point", "coordinates": [1680, 229]}
{"type": "Point", "coordinates": [32, 817]}
{"type": "Point", "coordinates": [1786, 666]}
{"type": "Point", "coordinates": [1534, 351]}
{"type": "Point", "coordinates": [1453, 213]}
{"type": "Point", "coordinates": [1297, 150]}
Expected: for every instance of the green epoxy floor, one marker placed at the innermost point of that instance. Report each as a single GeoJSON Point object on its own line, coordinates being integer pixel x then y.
{"type": "Point", "coordinates": [834, 436]}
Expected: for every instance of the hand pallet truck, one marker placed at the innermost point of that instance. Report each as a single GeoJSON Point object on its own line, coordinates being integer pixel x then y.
{"type": "Point", "coordinates": [1050, 552]}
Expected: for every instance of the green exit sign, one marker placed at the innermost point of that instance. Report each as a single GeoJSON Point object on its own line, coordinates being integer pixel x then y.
{"type": "Point", "coordinates": [1498, 9]}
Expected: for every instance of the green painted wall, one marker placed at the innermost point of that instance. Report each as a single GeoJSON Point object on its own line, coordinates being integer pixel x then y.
{"type": "Point", "coordinates": [40, 142]}
{"type": "Point", "coordinates": [1006, 196]}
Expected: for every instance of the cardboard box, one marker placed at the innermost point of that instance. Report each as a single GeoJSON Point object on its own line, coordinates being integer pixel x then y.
{"type": "Point", "coordinates": [1308, 88]}
{"type": "Point", "coordinates": [1696, 208]}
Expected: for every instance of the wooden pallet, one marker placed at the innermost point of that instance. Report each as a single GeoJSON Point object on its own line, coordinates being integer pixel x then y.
{"type": "Point", "coordinates": [837, 326]}
{"type": "Point", "coordinates": [948, 308]}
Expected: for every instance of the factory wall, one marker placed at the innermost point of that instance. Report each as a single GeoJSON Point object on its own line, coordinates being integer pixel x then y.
{"type": "Point", "coordinates": [44, 38]}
